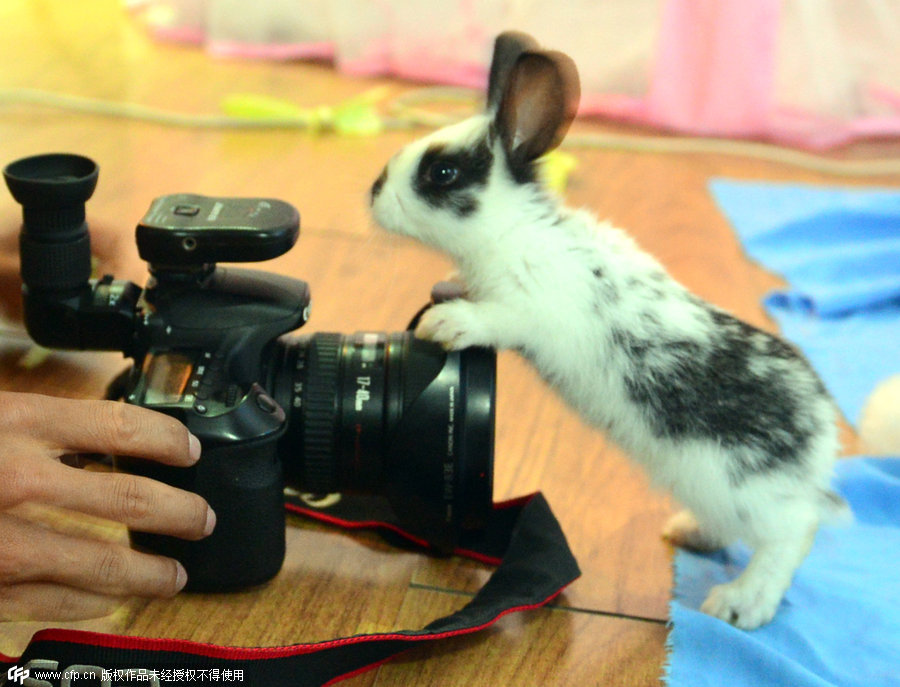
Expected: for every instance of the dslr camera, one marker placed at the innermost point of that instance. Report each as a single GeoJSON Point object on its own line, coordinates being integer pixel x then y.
{"type": "Point", "coordinates": [375, 413]}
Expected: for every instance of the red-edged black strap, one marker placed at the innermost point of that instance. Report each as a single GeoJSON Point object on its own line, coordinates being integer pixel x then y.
{"type": "Point", "coordinates": [536, 566]}
{"type": "Point", "coordinates": [371, 512]}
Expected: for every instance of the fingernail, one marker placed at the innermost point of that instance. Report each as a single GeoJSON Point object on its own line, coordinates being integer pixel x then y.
{"type": "Point", "coordinates": [180, 577]}
{"type": "Point", "coordinates": [194, 447]}
{"type": "Point", "coordinates": [210, 522]}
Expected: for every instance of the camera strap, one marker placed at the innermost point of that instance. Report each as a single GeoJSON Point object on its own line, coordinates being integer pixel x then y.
{"type": "Point", "coordinates": [522, 538]}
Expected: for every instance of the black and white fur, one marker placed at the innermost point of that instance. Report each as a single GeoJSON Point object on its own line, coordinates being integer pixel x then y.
{"type": "Point", "coordinates": [730, 419]}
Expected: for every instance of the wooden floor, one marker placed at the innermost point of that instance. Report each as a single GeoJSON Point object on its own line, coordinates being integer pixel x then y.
{"type": "Point", "coordinates": [609, 627]}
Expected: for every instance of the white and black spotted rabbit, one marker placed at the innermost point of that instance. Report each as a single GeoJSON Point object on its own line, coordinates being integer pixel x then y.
{"type": "Point", "coordinates": [729, 418]}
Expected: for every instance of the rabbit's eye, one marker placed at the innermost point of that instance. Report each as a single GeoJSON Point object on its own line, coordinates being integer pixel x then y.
{"type": "Point", "coordinates": [443, 173]}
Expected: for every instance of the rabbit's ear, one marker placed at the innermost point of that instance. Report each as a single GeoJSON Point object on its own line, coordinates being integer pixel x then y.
{"type": "Point", "coordinates": [508, 46]}
{"type": "Point", "coordinates": [538, 105]}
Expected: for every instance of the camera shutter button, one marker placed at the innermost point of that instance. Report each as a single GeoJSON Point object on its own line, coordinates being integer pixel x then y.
{"type": "Point", "coordinates": [266, 404]}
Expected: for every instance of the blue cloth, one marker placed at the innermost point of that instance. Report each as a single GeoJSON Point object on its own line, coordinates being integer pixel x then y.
{"type": "Point", "coordinates": [839, 624]}
{"type": "Point", "coordinates": [839, 249]}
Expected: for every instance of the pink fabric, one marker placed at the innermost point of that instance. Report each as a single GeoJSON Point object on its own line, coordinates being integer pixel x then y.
{"type": "Point", "coordinates": [809, 73]}
{"type": "Point", "coordinates": [268, 51]}
{"type": "Point", "coordinates": [715, 67]}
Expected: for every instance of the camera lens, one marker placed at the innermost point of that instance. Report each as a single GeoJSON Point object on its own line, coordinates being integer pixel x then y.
{"type": "Point", "coordinates": [392, 415]}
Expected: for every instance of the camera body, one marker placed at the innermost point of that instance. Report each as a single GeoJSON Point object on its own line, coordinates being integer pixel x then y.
{"type": "Point", "coordinates": [201, 332]}
{"type": "Point", "coordinates": [379, 413]}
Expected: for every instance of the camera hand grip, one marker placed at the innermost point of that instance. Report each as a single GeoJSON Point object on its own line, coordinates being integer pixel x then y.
{"type": "Point", "coordinates": [242, 481]}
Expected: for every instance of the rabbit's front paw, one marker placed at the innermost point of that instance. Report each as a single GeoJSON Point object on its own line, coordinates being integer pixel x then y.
{"type": "Point", "coordinates": [454, 325]}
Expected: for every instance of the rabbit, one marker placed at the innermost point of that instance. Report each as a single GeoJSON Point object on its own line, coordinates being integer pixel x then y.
{"type": "Point", "coordinates": [730, 419]}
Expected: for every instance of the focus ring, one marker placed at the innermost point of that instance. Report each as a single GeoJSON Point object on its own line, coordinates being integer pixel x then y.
{"type": "Point", "coordinates": [55, 265]}
{"type": "Point", "coordinates": [320, 414]}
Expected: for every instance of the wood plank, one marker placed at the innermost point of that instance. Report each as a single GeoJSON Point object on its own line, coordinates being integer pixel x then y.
{"type": "Point", "coordinates": [550, 647]}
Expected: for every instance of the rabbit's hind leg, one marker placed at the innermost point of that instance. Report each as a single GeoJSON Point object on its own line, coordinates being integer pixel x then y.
{"type": "Point", "coordinates": [684, 531]}
{"type": "Point", "coordinates": [753, 598]}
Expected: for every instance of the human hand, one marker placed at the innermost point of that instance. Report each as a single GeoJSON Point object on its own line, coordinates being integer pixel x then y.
{"type": "Point", "coordinates": [45, 574]}
{"type": "Point", "coordinates": [10, 282]}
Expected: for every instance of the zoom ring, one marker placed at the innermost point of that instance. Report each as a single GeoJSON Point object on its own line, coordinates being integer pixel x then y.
{"type": "Point", "coordinates": [320, 414]}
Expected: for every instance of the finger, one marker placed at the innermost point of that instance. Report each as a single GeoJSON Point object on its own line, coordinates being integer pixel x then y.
{"type": "Point", "coordinates": [47, 601]}
{"type": "Point", "coordinates": [140, 503]}
{"type": "Point", "coordinates": [31, 553]}
{"type": "Point", "coordinates": [70, 425]}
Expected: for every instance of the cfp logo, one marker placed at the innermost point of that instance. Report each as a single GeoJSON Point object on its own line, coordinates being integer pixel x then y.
{"type": "Point", "coordinates": [38, 668]}
{"type": "Point", "coordinates": [17, 675]}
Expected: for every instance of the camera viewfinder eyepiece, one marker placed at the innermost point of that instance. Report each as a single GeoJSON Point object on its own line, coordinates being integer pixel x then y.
{"type": "Point", "coordinates": [54, 243]}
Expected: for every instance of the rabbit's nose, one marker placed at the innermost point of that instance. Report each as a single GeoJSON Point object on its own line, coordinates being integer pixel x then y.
{"type": "Point", "coordinates": [376, 187]}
